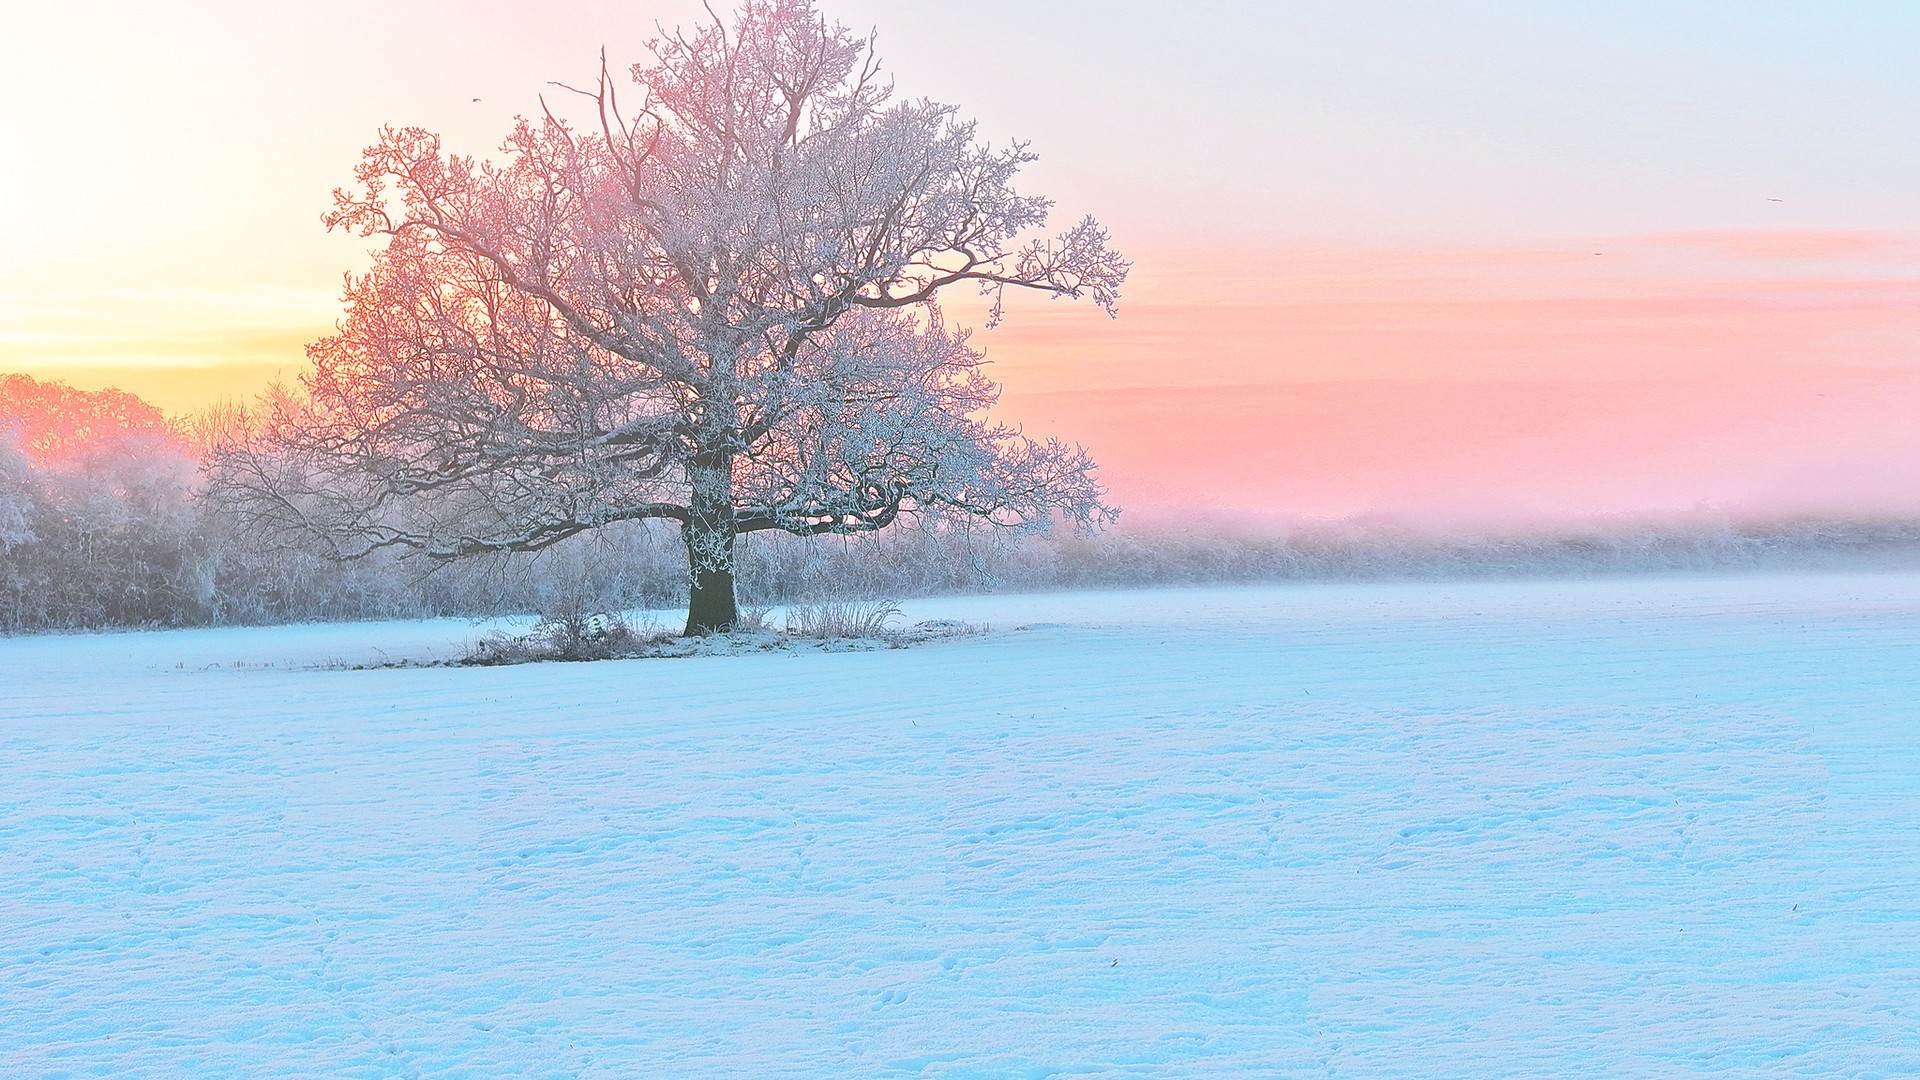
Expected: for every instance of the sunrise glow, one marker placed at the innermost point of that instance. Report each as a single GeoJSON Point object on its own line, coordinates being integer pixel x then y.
{"type": "Point", "coordinates": [1348, 297]}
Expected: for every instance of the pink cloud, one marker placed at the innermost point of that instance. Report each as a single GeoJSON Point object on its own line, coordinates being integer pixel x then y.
{"type": "Point", "coordinates": [1789, 243]}
{"type": "Point", "coordinates": [1791, 442]}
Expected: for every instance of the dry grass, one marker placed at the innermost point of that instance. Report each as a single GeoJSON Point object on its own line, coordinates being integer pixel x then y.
{"type": "Point", "coordinates": [600, 636]}
{"type": "Point", "coordinates": [832, 619]}
{"type": "Point", "coordinates": [753, 620]}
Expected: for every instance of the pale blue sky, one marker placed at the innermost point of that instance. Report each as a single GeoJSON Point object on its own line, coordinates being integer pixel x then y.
{"type": "Point", "coordinates": [136, 131]}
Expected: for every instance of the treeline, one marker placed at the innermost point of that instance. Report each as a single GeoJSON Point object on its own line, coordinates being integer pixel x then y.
{"type": "Point", "coordinates": [104, 523]}
{"type": "Point", "coordinates": [121, 536]}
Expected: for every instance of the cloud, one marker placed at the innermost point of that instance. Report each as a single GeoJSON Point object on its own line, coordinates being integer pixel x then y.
{"type": "Point", "coordinates": [179, 348]}
{"type": "Point", "coordinates": [1442, 316]}
{"type": "Point", "coordinates": [1501, 450]}
{"type": "Point", "coordinates": [168, 326]}
{"type": "Point", "coordinates": [1790, 243]}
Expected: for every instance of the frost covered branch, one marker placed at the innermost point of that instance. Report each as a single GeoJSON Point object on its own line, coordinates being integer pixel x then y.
{"type": "Point", "coordinates": [716, 308]}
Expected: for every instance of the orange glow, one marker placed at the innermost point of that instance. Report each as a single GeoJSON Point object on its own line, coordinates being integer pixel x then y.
{"type": "Point", "coordinates": [181, 349]}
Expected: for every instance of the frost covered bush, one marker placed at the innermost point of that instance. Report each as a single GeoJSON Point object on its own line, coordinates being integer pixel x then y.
{"type": "Point", "coordinates": [108, 538]}
{"type": "Point", "coordinates": [831, 619]}
{"type": "Point", "coordinates": [17, 509]}
{"type": "Point", "coordinates": [601, 636]}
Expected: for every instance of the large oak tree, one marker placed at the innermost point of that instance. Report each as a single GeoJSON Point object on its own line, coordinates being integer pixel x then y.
{"type": "Point", "coordinates": [714, 303]}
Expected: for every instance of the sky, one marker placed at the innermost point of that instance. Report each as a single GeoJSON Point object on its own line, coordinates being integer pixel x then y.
{"type": "Point", "coordinates": [1429, 259]}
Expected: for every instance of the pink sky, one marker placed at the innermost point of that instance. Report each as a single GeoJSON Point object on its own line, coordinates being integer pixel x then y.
{"type": "Point", "coordinates": [1449, 260]}
{"type": "Point", "coordinates": [1478, 453]}
{"type": "Point", "coordinates": [1760, 370]}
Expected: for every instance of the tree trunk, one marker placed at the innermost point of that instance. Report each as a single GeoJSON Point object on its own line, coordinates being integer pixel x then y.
{"type": "Point", "coordinates": [709, 534]}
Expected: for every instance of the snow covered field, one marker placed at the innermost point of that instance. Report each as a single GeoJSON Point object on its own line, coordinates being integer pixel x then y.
{"type": "Point", "coordinates": [1649, 828]}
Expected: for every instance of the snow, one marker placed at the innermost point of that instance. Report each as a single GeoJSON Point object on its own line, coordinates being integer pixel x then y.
{"type": "Point", "coordinates": [1656, 827]}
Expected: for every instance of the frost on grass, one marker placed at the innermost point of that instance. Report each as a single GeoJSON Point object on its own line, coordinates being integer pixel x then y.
{"type": "Point", "coordinates": [825, 626]}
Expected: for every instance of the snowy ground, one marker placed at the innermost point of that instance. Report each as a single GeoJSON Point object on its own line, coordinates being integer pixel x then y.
{"type": "Point", "coordinates": [1648, 828]}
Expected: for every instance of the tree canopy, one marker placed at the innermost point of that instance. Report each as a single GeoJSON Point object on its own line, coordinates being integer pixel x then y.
{"type": "Point", "coordinates": [53, 422]}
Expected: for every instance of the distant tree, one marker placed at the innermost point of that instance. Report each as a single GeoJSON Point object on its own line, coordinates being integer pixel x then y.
{"type": "Point", "coordinates": [98, 523]}
{"type": "Point", "coordinates": [54, 422]}
{"type": "Point", "coordinates": [715, 307]}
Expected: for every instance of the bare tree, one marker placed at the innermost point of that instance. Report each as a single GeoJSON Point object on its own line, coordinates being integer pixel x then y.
{"type": "Point", "coordinates": [714, 304]}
